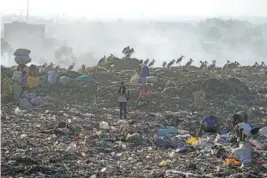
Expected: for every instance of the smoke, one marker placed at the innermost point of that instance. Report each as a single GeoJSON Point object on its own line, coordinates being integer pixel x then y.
{"type": "Point", "coordinates": [159, 41]}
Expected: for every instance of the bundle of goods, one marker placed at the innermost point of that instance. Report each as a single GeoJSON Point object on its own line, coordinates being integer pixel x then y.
{"type": "Point", "coordinates": [22, 56]}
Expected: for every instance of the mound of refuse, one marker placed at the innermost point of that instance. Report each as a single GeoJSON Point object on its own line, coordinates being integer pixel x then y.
{"type": "Point", "coordinates": [215, 87]}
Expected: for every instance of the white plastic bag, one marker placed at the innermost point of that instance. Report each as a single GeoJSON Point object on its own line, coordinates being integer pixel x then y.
{"type": "Point", "coordinates": [65, 80]}
{"type": "Point", "coordinates": [151, 79]}
{"type": "Point", "coordinates": [135, 78]}
{"type": "Point", "coordinates": [104, 125]}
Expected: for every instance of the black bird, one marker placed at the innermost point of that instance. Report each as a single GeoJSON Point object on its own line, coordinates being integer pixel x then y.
{"type": "Point", "coordinates": [44, 66]}
{"type": "Point", "coordinates": [188, 64]}
{"type": "Point", "coordinates": [146, 61]}
{"type": "Point", "coordinates": [101, 61]}
{"type": "Point", "coordinates": [71, 67]}
{"type": "Point", "coordinates": [151, 63]}
{"type": "Point", "coordinates": [164, 64]}
{"type": "Point", "coordinates": [255, 65]}
{"type": "Point", "coordinates": [170, 63]}
{"type": "Point", "coordinates": [125, 49]}
{"type": "Point", "coordinates": [225, 67]}
{"type": "Point", "coordinates": [212, 66]}
{"type": "Point", "coordinates": [51, 65]}
{"type": "Point", "coordinates": [179, 59]}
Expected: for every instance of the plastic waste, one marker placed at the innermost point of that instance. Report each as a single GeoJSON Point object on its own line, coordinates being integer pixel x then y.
{"type": "Point", "coordinates": [51, 76]}
{"type": "Point", "coordinates": [232, 161]}
{"type": "Point", "coordinates": [164, 142]}
{"type": "Point", "coordinates": [263, 131]}
{"type": "Point", "coordinates": [151, 79]}
{"type": "Point", "coordinates": [163, 163]}
{"type": "Point", "coordinates": [256, 144]}
{"type": "Point", "coordinates": [199, 96]}
{"type": "Point", "coordinates": [167, 131]}
{"type": "Point", "coordinates": [104, 125]}
{"type": "Point", "coordinates": [65, 80]}
{"type": "Point", "coordinates": [243, 153]}
{"type": "Point", "coordinates": [192, 140]}
{"type": "Point", "coordinates": [135, 78]}
{"type": "Point", "coordinates": [17, 111]}
{"type": "Point", "coordinates": [85, 78]}
{"type": "Point", "coordinates": [72, 147]}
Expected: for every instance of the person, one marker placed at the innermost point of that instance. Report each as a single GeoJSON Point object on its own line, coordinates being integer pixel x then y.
{"type": "Point", "coordinates": [144, 94]}
{"type": "Point", "coordinates": [239, 117]}
{"type": "Point", "coordinates": [144, 74]}
{"type": "Point", "coordinates": [32, 76]}
{"type": "Point", "coordinates": [242, 130]}
{"type": "Point", "coordinates": [17, 75]}
{"type": "Point", "coordinates": [6, 88]}
{"type": "Point", "coordinates": [123, 97]}
{"type": "Point", "coordinates": [209, 124]}
{"type": "Point", "coordinates": [23, 81]}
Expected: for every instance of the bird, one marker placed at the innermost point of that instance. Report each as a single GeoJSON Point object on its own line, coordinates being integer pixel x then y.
{"type": "Point", "coordinates": [125, 49]}
{"type": "Point", "coordinates": [204, 67]}
{"type": "Point", "coordinates": [170, 63]}
{"type": "Point", "coordinates": [188, 64]}
{"type": "Point", "coordinates": [146, 61]}
{"type": "Point", "coordinates": [164, 64]}
{"type": "Point", "coordinates": [212, 66]}
{"type": "Point", "coordinates": [255, 65]}
{"type": "Point", "coordinates": [71, 67]}
{"type": "Point", "coordinates": [233, 65]}
{"type": "Point", "coordinates": [226, 66]}
{"type": "Point", "coordinates": [44, 65]}
{"type": "Point", "coordinates": [101, 61]}
{"type": "Point", "coordinates": [263, 65]}
{"type": "Point", "coordinates": [83, 68]}
{"type": "Point", "coordinates": [56, 68]}
{"type": "Point", "coordinates": [151, 63]}
{"type": "Point", "coordinates": [201, 64]}
{"type": "Point", "coordinates": [179, 59]}
{"type": "Point", "coordinates": [50, 65]}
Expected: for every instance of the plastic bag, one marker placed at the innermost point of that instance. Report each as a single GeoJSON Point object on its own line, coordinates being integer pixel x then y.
{"type": "Point", "coordinates": [151, 79]}
{"type": "Point", "coordinates": [192, 140]}
{"type": "Point", "coordinates": [65, 80]}
{"type": "Point", "coordinates": [22, 52]}
{"type": "Point", "coordinates": [135, 78]}
{"type": "Point", "coordinates": [199, 96]}
{"type": "Point", "coordinates": [22, 59]}
{"type": "Point", "coordinates": [25, 104]}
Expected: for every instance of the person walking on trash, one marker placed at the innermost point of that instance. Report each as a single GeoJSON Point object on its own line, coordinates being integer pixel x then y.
{"type": "Point", "coordinates": [209, 124]}
{"type": "Point", "coordinates": [123, 97]}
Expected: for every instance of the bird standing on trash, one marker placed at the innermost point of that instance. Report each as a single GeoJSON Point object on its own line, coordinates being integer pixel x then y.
{"type": "Point", "coordinates": [151, 63]}
{"type": "Point", "coordinates": [179, 59]}
{"type": "Point", "coordinates": [212, 66]}
{"type": "Point", "coordinates": [146, 61]}
{"type": "Point", "coordinates": [188, 64]}
{"type": "Point", "coordinates": [71, 67]}
{"type": "Point", "coordinates": [164, 64]}
{"type": "Point", "coordinates": [225, 67]}
{"type": "Point", "coordinates": [170, 63]}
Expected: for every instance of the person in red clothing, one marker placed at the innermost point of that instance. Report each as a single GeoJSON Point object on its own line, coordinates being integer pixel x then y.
{"type": "Point", "coordinates": [144, 95]}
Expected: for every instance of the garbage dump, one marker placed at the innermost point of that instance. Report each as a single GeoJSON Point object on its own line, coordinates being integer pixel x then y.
{"type": "Point", "coordinates": [70, 126]}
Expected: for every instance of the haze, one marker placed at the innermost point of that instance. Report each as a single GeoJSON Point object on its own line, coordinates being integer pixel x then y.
{"type": "Point", "coordinates": [153, 40]}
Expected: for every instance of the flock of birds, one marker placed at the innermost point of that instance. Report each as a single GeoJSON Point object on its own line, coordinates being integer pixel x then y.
{"type": "Point", "coordinates": [203, 64]}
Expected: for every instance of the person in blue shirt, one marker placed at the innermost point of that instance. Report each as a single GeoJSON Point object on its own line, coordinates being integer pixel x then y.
{"type": "Point", "coordinates": [209, 124]}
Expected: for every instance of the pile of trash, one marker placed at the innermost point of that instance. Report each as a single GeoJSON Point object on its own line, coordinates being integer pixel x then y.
{"type": "Point", "coordinates": [73, 128]}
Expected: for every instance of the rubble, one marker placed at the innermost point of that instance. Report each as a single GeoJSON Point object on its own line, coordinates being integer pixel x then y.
{"type": "Point", "coordinates": [77, 132]}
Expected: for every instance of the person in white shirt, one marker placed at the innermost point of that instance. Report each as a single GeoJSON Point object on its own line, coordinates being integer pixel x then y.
{"type": "Point", "coordinates": [242, 131]}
